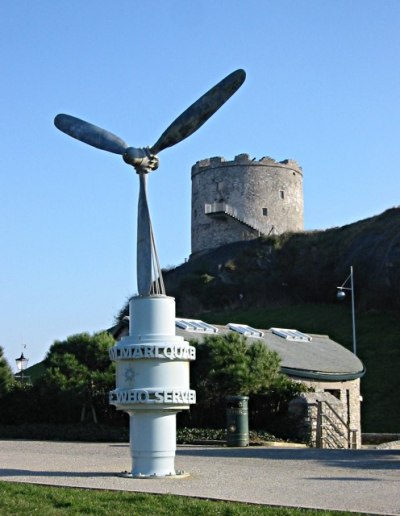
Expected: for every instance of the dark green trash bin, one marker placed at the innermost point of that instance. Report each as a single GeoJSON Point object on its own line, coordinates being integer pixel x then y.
{"type": "Point", "coordinates": [237, 421]}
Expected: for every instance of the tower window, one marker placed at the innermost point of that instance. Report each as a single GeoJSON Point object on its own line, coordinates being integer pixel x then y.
{"type": "Point", "coordinates": [265, 211]}
{"type": "Point", "coordinates": [281, 194]}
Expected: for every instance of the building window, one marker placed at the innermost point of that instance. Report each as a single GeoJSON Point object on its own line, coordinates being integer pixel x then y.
{"type": "Point", "coordinates": [294, 335]}
{"type": "Point", "coordinates": [195, 325]}
{"type": "Point", "coordinates": [245, 330]}
{"type": "Point", "coordinates": [281, 194]}
{"type": "Point", "coordinates": [265, 211]}
{"type": "Point", "coordinates": [334, 392]}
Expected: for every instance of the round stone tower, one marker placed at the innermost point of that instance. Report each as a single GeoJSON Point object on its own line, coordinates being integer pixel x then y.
{"type": "Point", "coordinates": [244, 199]}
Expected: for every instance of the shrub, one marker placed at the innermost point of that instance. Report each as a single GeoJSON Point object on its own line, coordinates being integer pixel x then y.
{"type": "Point", "coordinates": [229, 365]}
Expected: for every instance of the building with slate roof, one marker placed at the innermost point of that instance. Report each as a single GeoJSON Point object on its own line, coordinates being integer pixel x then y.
{"type": "Point", "coordinates": [332, 371]}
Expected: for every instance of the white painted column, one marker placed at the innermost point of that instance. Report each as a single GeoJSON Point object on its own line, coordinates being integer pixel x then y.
{"type": "Point", "coordinates": [152, 384]}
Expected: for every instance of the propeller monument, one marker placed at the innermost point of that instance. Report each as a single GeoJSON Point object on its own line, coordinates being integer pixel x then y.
{"type": "Point", "coordinates": [145, 160]}
{"type": "Point", "coordinates": [152, 362]}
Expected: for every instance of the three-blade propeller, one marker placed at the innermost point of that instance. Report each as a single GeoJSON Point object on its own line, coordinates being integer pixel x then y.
{"type": "Point", "coordinates": [144, 160]}
{"type": "Point", "coordinates": [185, 125]}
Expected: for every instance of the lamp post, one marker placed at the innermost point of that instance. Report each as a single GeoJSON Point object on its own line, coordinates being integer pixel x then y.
{"type": "Point", "coordinates": [22, 362]}
{"type": "Point", "coordinates": [341, 295]}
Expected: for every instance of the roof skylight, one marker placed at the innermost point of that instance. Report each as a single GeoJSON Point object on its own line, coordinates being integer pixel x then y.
{"type": "Point", "coordinates": [293, 335]}
{"type": "Point", "coordinates": [243, 329]}
{"type": "Point", "coordinates": [195, 325]}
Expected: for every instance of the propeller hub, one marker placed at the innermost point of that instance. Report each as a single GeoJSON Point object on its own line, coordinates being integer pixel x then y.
{"type": "Point", "coordinates": [142, 160]}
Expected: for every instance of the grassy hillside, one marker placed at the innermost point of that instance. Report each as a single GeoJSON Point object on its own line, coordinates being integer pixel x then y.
{"type": "Point", "coordinates": [290, 281]}
{"type": "Point", "coordinates": [296, 268]}
{"type": "Point", "coordinates": [378, 346]}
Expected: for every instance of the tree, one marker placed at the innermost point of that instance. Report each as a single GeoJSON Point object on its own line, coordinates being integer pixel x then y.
{"type": "Point", "coordinates": [6, 375]}
{"type": "Point", "coordinates": [80, 370]}
{"type": "Point", "coordinates": [228, 364]}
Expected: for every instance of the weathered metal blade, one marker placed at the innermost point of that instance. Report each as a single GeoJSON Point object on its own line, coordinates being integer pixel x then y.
{"type": "Point", "coordinates": [90, 134]}
{"type": "Point", "coordinates": [143, 250]}
{"type": "Point", "coordinates": [199, 112]}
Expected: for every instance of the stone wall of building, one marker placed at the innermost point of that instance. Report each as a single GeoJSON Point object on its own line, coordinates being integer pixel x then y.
{"type": "Point", "coordinates": [241, 199]}
{"type": "Point", "coordinates": [348, 406]}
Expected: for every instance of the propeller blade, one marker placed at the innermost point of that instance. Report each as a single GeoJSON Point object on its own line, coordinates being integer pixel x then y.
{"type": "Point", "coordinates": [90, 134]}
{"type": "Point", "coordinates": [199, 112]}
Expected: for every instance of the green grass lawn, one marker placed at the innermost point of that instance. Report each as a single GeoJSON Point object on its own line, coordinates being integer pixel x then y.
{"type": "Point", "coordinates": [45, 500]}
{"type": "Point", "coordinates": [378, 346]}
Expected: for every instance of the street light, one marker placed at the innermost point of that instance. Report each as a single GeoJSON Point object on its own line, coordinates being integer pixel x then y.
{"type": "Point", "coordinates": [341, 295]}
{"type": "Point", "coordinates": [22, 362]}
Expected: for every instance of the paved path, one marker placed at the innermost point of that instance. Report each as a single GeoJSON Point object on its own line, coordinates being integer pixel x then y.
{"type": "Point", "coordinates": [363, 480]}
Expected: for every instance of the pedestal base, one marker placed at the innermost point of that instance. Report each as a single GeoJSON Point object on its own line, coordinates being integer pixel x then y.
{"type": "Point", "coordinates": [179, 475]}
{"type": "Point", "coordinates": [153, 443]}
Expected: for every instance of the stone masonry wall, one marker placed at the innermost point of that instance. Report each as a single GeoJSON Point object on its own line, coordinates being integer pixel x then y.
{"type": "Point", "coordinates": [266, 195]}
{"type": "Point", "coordinates": [348, 392]}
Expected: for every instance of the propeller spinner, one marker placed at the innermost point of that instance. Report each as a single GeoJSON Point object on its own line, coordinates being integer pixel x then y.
{"type": "Point", "coordinates": [145, 160]}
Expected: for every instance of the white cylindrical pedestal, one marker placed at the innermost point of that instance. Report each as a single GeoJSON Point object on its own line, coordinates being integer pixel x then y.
{"type": "Point", "coordinates": [152, 384]}
{"type": "Point", "coordinates": [153, 443]}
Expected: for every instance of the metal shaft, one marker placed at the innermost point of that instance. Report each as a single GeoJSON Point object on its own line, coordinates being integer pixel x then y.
{"type": "Point", "coordinates": [353, 314]}
{"type": "Point", "coordinates": [143, 251]}
{"type": "Point", "coordinates": [149, 277]}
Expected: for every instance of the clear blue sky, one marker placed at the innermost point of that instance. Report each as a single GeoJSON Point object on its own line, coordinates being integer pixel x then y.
{"type": "Point", "coordinates": [323, 84]}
